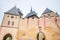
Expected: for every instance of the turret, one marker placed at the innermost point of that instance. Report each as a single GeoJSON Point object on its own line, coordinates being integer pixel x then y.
{"type": "Point", "coordinates": [11, 17]}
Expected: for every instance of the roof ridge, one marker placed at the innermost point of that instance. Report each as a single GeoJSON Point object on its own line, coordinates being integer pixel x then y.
{"type": "Point", "coordinates": [30, 14]}
{"type": "Point", "coordinates": [14, 11]}
{"type": "Point", "coordinates": [47, 10]}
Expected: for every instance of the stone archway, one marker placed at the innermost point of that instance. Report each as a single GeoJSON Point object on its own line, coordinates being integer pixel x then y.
{"type": "Point", "coordinates": [40, 36]}
{"type": "Point", "coordinates": [7, 37]}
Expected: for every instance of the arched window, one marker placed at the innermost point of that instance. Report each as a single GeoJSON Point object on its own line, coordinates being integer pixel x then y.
{"type": "Point", "coordinates": [7, 37]}
{"type": "Point", "coordinates": [40, 36]}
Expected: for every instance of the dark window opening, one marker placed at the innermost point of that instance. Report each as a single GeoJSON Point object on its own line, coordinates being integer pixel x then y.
{"type": "Point", "coordinates": [12, 16]}
{"type": "Point", "coordinates": [8, 22]}
{"type": "Point", "coordinates": [7, 16]}
{"type": "Point", "coordinates": [33, 17]}
{"type": "Point", "coordinates": [48, 14]}
{"type": "Point", "coordinates": [12, 23]}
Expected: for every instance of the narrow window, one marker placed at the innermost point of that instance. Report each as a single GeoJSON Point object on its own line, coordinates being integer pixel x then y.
{"type": "Point", "coordinates": [7, 16]}
{"type": "Point", "coordinates": [8, 22]}
{"type": "Point", "coordinates": [12, 23]}
{"type": "Point", "coordinates": [12, 16]}
{"type": "Point", "coordinates": [48, 14]}
{"type": "Point", "coordinates": [33, 17]}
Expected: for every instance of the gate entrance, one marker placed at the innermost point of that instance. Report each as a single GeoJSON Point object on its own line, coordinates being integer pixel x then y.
{"type": "Point", "coordinates": [7, 37]}
{"type": "Point", "coordinates": [40, 36]}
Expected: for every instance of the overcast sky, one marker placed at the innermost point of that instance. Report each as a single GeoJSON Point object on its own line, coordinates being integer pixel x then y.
{"type": "Point", "coordinates": [25, 5]}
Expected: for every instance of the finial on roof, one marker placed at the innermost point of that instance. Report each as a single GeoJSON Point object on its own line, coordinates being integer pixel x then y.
{"type": "Point", "coordinates": [31, 13]}
{"type": "Point", "coordinates": [31, 9]}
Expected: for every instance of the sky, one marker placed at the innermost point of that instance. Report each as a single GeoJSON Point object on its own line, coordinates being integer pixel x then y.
{"type": "Point", "coordinates": [25, 6]}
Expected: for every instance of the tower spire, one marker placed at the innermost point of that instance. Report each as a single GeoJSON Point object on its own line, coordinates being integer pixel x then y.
{"type": "Point", "coordinates": [31, 9]}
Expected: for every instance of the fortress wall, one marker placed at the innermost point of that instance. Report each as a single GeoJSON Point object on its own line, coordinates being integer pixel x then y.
{"type": "Point", "coordinates": [50, 29]}
{"type": "Point", "coordinates": [22, 27]}
{"type": "Point", "coordinates": [22, 24]}
{"type": "Point", "coordinates": [33, 23]}
{"type": "Point", "coordinates": [28, 29]}
{"type": "Point", "coordinates": [32, 29]}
